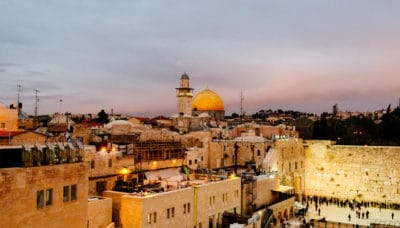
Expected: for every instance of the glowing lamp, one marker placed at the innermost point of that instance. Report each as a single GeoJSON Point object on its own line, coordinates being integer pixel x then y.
{"type": "Point", "coordinates": [103, 149]}
{"type": "Point", "coordinates": [124, 171]}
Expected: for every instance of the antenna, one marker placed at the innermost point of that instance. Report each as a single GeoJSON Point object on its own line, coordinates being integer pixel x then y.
{"type": "Point", "coordinates": [36, 107]}
{"type": "Point", "coordinates": [18, 92]}
{"type": "Point", "coordinates": [241, 104]}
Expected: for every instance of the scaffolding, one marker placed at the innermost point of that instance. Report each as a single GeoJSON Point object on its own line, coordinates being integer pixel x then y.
{"type": "Point", "coordinates": [158, 150]}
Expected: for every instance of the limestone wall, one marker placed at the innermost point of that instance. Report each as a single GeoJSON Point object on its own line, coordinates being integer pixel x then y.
{"type": "Point", "coordinates": [174, 209]}
{"type": "Point", "coordinates": [353, 172]}
{"type": "Point", "coordinates": [116, 204]}
{"type": "Point", "coordinates": [215, 198]}
{"type": "Point", "coordinates": [19, 189]}
{"type": "Point", "coordinates": [99, 212]}
{"type": "Point", "coordinates": [8, 119]}
{"type": "Point", "coordinates": [291, 162]}
{"type": "Point", "coordinates": [222, 153]}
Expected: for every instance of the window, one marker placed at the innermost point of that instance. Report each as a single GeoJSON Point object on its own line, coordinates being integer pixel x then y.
{"type": "Point", "coordinates": [101, 186]}
{"type": "Point", "coordinates": [186, 208]}
{"type": "Point", "coordinates": [92, 164]}
{"type": "Point", "coordinates": [73, 192]}
{"type": "Point", "coordinates": [49, 197]}
{"type": "Point", "coordinates": [290, 167]}
{"type": "Point", "coordinates": [110, 162]}
{"type": "Point", "coordinates": [40, 199]}
{"type": "Point", "coordinates": [2, 125]}
{"type": "Point", "coordinates": [212, 200]}
{"type": "Point", "coordinates": [190, 162]}
{"type": "Point", "coordinates": [224, 197]}
{"type": "Point", "coordinates": [301, 164]}
{"type": "Point", "coordinates": [155, 217]}
{"type": "Point", "coordinates": [295, 165]}
{"type": "Point", "coordinates": [202, 158]}
{"type": "Point", "coordinates": [66, 194]}
{"type": "Point", "coordinates": [236, 193]}
{"type": "Point", "coordinates": [258, 153]}
{"type": "Point", "coordinates": [170, 212]}
{"type": "Point", "coordinates": [195, 161]}
{"type": "Point", "coordinates": [149, 218]}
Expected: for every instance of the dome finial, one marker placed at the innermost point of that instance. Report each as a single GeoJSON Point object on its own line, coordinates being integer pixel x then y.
{"type": "Point", "coordinates": [185, 76]}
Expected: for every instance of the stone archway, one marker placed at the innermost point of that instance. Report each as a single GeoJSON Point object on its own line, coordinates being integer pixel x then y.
{"type": "Point", "coordinates": [285, 214]}
{"type": "Point", "coordinates": [279, 218]}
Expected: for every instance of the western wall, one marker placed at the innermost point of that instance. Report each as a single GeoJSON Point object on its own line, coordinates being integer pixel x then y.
{"type": "Point", "coordinates": [364, 173]}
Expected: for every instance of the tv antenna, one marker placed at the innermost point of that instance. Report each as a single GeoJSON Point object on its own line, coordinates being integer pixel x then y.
{"type": "Point", "coordinates": [36, 107]}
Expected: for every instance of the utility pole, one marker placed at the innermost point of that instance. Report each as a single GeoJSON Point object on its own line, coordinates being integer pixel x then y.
{"type": "Point", "coordinates": [36, 107]}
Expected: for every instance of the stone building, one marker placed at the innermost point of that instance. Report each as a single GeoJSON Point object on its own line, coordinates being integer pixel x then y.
{"type": "Point", "coordinates": [44, 196]}
{"type": "Point", "coordinates": [197, 203]}
{"type": "Point", "coordinates": [8, 118]}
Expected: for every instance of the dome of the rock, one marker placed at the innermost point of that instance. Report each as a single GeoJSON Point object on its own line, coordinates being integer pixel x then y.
{"type": "Point", "coordinates": [207, 100]}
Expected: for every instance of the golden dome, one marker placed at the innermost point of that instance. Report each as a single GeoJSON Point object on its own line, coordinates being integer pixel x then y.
{"type": "Point", "coordinates": [207, 100]}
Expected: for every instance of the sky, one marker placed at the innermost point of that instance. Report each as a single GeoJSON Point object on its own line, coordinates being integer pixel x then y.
{"type": "Point", "coordinates": [129, 55]}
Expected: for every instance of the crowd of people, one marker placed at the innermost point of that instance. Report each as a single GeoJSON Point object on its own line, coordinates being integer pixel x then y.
{"type": "Point", "coordinates": [359, 207]}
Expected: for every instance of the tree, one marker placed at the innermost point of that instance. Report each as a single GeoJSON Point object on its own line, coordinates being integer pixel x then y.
{"type": "Point", "coordinates": [235, 115]}
{"type": "Point", "coordinates": [102, 117]}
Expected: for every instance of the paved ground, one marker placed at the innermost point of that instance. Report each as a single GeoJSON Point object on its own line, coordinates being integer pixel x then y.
{"type": "Point", "coordinates": [337, 214]}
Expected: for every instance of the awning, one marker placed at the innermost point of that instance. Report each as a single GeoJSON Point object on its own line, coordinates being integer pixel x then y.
{"type": "Point", "coordinates": [283, 189]}
{"type": "Point", "coordinates": [163, 174]}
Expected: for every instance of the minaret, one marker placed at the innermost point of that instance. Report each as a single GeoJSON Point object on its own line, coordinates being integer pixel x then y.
{"type": "Point", "coordinates": [184, 95]}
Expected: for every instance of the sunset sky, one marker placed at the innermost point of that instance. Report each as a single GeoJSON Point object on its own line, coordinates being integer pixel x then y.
{"type": "Point", "coordinates": [129, 55]}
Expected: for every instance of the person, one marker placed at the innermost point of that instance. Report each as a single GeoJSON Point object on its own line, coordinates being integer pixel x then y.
{"type": "Point", "coordinates": [349, 217]}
